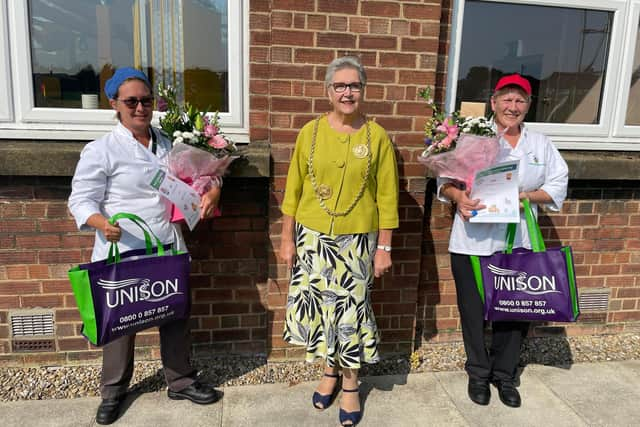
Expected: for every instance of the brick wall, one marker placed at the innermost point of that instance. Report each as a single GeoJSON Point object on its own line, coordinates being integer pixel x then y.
{"type": "Point", "coordinates": [239, 286]}
{"type": "Point", "coordinates": [291, 44]}
{"type": "Point", "coordinates": [39, 242]}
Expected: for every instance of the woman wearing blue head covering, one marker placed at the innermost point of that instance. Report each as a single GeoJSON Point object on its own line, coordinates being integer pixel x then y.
{"type": "Point", "coordinates": [112, 176]}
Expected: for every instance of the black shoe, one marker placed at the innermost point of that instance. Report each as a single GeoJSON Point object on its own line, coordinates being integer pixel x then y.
{"type": "Point", "coordinates": [479, 391]}
{"type": "Point", "coordinates": [109, 410]}
{"type": "Point", "coordinates": [197, 392]}
{"type": "Point", "coordinates": [508, 393]}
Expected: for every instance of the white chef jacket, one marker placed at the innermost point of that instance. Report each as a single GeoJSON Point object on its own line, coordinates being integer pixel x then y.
{"type": "Point", "coordinates": [113, 176]}
{"type": "Point", "coordinates": [540, 167]}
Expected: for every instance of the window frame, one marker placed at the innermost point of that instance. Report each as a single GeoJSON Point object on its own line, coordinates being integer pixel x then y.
{"type": "Point", "coordinates": [633, 21]}
{"type": "Point", "coordinates": [606, 135]}
{"type": "Point", "coordinates": [24, 120]}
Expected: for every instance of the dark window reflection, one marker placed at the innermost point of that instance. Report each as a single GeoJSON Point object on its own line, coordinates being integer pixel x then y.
{"type": "Point", "coordinates": [76, 45]}
{"type": "Point", "coordinates": [633, 106]}
{"type": "Point", "coordinates": [562, 51]}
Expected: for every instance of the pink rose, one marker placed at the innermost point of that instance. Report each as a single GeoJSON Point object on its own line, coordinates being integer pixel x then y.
{"type": "Point", "coordinates": [217, 142]}
{"type": "Point", "coordinates": [210, 131]}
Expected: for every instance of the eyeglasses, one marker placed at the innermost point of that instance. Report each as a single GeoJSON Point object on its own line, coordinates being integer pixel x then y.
{"type": "Point", "coordinates": [133, 102]}
{"type": "Point", "coordinates": [341, 87]}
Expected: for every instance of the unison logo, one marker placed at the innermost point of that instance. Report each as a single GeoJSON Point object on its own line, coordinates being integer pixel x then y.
{"type": "Point", "coordinates": [121, 292]}
{"type": "Point", "coordinates": [512, 280]}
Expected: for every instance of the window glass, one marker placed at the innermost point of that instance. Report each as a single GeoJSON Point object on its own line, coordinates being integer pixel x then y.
{"type": "Point", "coordinates": [633, 107]}
{"type": "Point", "coordinates": [76, 45]}
{"type": "Point", "coordinates": [562, 51]}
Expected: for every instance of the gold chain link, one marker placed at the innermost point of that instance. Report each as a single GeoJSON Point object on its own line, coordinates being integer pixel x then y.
{"type": "Point", "coordinates": [314, 183]}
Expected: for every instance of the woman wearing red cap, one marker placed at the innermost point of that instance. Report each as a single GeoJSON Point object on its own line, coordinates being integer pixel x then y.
{"type": "Point", "coordinates": [112, 176]}
{"type": "Point", "coordinates": [542, 178]}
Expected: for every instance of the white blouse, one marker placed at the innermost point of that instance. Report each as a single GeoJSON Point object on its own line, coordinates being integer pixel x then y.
{"type": "Point", "coordinates": [540, 167]}
{"type": "Point", "coordinates": [113, 176]}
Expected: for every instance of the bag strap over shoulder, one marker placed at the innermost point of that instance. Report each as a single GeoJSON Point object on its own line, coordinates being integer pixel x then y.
{"type": "Point", "coordinates": [535, 235]}
{"type": "Point", "coordinates": [114, 251]}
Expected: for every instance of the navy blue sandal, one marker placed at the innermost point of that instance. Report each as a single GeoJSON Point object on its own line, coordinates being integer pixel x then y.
{"type": "Point", "coordinates": [354, 416]}
{"type": "Point", "coordinates": [326, 399]}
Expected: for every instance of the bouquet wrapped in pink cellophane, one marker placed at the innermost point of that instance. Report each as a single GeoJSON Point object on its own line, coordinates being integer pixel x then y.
{"type": "Point", "coordinates": [457, 147]}
{"type": "Point", "coordinates": [471, 154]}
{"type": "Point", "coordinates": [201, 154]}
{"type": "Point", "coordinates": [198, 168]}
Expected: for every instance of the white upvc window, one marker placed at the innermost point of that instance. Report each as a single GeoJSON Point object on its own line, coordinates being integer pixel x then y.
{"type": "Point", "coordinates": [56, 55]}
{"type": "Point", "coordinates": [581, 56]}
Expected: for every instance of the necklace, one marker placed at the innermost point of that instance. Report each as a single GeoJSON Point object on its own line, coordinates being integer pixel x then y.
{"type": "Point", "coordinates": [314, 182]}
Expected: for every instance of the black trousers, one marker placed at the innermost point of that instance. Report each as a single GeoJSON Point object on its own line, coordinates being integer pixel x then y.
{"type": "Point", "coordinates": [175, 345]}
{"type": "Point", "coordinates": [501, 361]}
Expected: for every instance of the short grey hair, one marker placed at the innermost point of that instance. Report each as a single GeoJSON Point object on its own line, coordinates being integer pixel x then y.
{"type": "Point", "coordinates": [343, 62]}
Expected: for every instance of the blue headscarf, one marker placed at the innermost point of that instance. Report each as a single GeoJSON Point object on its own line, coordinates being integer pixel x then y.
{"type": "Point", "coordinates": [119, 77]}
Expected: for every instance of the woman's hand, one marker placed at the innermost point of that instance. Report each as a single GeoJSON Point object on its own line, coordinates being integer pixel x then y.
{"type": "Point", "coordinates": [209, 202]}
{"type": "Point", "coordinates": [112, 233]}
{"type": "Point", "coordinates": [467, 208]}
{"type": "Point", "coordinates": [381, 262]}
{"type": "Point", "coordinates": [287, 250]}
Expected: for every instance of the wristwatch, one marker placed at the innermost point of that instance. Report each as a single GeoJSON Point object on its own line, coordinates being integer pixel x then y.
{"type": "Point", "coordinates": [384, 248]}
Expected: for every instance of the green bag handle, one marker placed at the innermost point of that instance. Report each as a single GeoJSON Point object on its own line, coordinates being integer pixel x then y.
{"type": "Point", "coordinates": [535, 235]}
{"type": "Point", "coordinates": [114, 251]}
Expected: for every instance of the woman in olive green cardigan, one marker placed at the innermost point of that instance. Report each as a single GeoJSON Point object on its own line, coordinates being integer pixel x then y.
{"type": "Point", "coordinates": [339, 210]}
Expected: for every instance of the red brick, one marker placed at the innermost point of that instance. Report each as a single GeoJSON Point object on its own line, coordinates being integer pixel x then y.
{"type": "Point", "coordinates": [58, 226]}
{"type": "Point", "coordinates": [300, 5]}
{"type": "Point", "coordinates": [17, 226]}
{"type": "Point", "coordinates": [292, 72]}
{"type": "Point", "coordinates": [38, 241]}
{"type": "Point", "coordinates": [380, 8]}
{"type": "Point", "coordinates": [358, 25]}
{"type": "Point", "coordinates": [414, 11]}
{"type": "Point", "coordinates": [281, 19]}
{"type": "Point", "coordinates": [313, 56]}
{"type": "Point", "coordinates": [338, 6]}
{"type": "Point", "coordinates": [403, 60]}
{"type": "Point", "coordinates": [336, 40]}
{"type": "Point", "coordinates": [17, 257]}
{"type": "Point", "coordinates": [20, 288]}
{"type": "Point", "coordinates": [420, 45]}
{"type": "Point", "coordinates": [288, 37]}
{"type": "Point", "coordinates": [42, 301]}
{"type": "Point", "coordinates": [72, 344]}
{"type": "Point", "coordinates": [378, 42]}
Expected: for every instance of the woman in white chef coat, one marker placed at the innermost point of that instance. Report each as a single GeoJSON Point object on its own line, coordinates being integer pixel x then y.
{"type": "Point", "coordinates": [543, 178]}
{"type": "Point", "coordinates": [112, 176]}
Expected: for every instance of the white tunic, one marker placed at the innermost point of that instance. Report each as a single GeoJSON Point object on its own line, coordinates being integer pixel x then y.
{"type": "Point", "coordinates": [540, 167]}
{"type": "Point", "coordinates": [113, 176]}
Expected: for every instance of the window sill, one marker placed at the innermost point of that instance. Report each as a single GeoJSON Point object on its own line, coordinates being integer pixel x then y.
{"type": "Point", "coordinates": [55, 158]}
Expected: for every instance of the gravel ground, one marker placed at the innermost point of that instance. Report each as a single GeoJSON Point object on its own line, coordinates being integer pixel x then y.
{"type": "Point", "coordinates": [78, 381]}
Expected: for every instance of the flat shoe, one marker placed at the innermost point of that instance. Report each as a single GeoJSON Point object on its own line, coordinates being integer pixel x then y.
{"type": "Point", "coordinates": [508, 393]}
{"type": "Point", "coordinates": [197, 392]}
{"type": "Point", "coordinates": [109, 410]}
{"type": "Point", "coordinates": [479, 391]}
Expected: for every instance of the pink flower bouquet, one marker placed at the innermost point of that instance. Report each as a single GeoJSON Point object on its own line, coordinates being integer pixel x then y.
{"type": "Point", "coordinates": [201, 154]}
{"type": "Point", "coordinates": [457, 148]}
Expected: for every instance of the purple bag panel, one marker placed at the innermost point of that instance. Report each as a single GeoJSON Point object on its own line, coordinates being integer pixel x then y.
{"type": "Point", "coordinates": [134, 295]}
{"type": "Point", "coordinates": [527, 286]}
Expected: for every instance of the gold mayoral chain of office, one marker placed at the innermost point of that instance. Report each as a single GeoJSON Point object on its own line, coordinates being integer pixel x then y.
{"type": "Point", "coordinates": [314, 182]}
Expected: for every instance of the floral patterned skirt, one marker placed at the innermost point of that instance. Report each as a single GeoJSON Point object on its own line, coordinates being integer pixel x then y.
{"type": "Point", "coordinates": [328, 307]}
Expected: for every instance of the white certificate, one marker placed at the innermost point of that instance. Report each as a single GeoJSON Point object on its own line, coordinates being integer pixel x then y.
{"type": "Point", "coordinates": [180, 194]}
{"type": "Point", "coordinates": [497, 189]}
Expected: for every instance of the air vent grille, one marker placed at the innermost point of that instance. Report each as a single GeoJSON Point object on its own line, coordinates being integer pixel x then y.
{"type": "Point", "coordinates": [31, 323]}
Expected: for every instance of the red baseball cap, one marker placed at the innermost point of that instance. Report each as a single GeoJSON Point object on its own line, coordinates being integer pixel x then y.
{"type": "Point", "coordinates": [514, 80]}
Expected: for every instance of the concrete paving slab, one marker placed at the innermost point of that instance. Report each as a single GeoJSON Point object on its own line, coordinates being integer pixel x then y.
{"type": "Point", "coordinates": [539, 407]}
{"type": "Point", "coordinates": [401, 400]}
{"type": "Point", "coordinates": [274, 405]}
{"type": "Point", "coordinates": [604, 394]}
{"type": "Point", "coordinates": [49, 413]}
